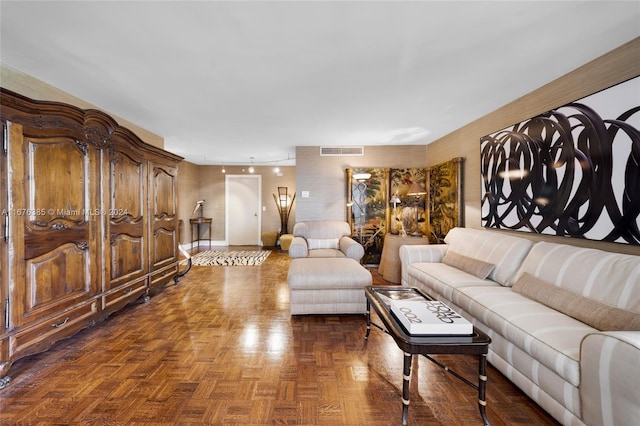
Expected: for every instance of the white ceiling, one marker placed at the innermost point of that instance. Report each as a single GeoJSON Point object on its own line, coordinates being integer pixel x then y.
{"type": "Point", "coordinates": [246, 82]}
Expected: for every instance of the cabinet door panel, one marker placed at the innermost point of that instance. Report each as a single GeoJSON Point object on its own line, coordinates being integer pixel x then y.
{"type": "Point", "coordinates": [56, 278]}
{"type": "Point", "coordinates": [58, 174]}
{"type": "Point", "coordinates": [164, 242]}
{"type": "Point", "coordinates": [4, 222]}
{"type": "Point", "coordinates": [164, 246]}
{"type": "Point", "coordinates": [55, 232]}
{"type": "Point", "coordinates": [126, 224]}
{"type": "Point", "coordinates": [126, 258]}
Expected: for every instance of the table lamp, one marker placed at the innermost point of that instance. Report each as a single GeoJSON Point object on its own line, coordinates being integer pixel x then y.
{"type": "Point", "coordinates": [416, 191]}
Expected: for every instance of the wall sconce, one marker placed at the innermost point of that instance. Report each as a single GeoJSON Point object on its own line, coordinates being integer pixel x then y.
{"type": "Point", "coordinates": [416, 191]}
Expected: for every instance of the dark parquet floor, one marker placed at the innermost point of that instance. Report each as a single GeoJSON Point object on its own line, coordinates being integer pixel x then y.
{"type": "Point", "coordinates": [220, 348]}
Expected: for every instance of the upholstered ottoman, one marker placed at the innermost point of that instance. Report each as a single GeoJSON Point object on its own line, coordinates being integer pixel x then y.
{"type": "Point", "coordinates": [327, 286]}
{"type": "Point", "coordinates": [285, 241]}
{"type": "Point", "coordinates": [269, 238]}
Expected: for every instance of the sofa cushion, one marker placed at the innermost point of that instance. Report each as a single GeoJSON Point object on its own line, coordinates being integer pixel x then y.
{"type": "Point", "coordinates": [325, 253]}
{"type": "Point", "coordinates": [542, 332]}
{"type": "Point", "coordinates": [321, 229]}
{"type": "Point", "coordinates": [441, 281]}
{"type": "Point", "coordinates": [468, 264]}
{"type": "Point", "coordinates": [596, 314]}
{"type": "Point", "coordinates": [322, 243]}
{"type": "Point", "coordinates": [504, 251]}
{"type": "Point", "coordinates": [610, 278]}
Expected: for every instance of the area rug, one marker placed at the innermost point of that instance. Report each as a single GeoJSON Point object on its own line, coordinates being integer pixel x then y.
{"type": "Point", "coordinates": [230, 258]}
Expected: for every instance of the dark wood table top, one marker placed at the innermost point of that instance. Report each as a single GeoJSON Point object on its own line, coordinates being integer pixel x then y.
{"type": "Point", "coordinates": [476, 343]}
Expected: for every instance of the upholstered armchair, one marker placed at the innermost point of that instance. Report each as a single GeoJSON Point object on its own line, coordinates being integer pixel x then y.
{"type": "Point", "coordinates": [324, 238]}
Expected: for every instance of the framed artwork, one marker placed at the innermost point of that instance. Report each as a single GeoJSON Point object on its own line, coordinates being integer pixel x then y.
{"type": "Point", "coordinates": [445, 199]}
{"type": "Point", "coordinates": [573, 171]}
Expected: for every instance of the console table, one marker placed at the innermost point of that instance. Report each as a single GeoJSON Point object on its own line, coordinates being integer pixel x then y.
{"type": "Point", "coordinates": [390, 265]}
{"type": "Point", "coordinates": [207, 221]}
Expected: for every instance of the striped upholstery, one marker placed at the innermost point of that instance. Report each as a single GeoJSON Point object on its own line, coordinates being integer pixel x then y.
{"type": "Point", "coordinates": [324, 238]}
{"type": "Point", "coordinates": [504, 251]}
{"type": "Point", "coordinates": [442, 280]}
{"type": "Point", "coordinates": [606, 277]}
{"type": "Point", "coordinates": [547, 335]}
{"type": "Point", "coordinates": [327, 286]}
{"type": "Point", "coordinates": [609, 386]}
{"type": "Point", "coordinates": [576, 373]}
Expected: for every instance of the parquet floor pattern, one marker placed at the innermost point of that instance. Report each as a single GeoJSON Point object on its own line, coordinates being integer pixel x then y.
{"type": "Point", "coordinates": [220, 348]}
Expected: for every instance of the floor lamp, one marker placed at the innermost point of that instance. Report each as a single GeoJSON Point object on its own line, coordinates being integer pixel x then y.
{"type": "Point", "coordinates": [284, 204]}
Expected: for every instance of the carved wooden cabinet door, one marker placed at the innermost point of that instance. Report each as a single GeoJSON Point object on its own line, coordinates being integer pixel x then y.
{"type": "Point", "coordinates": [4, 278]}
{"type": "Point", "coordinates": [126, 215]}
{"type": "Point", "coordinates": [163, 241]}
{"type": "Point", "coordinates": [54, 223]}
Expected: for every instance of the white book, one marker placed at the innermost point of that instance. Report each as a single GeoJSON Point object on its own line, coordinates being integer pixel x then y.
{"type": "Point", "coordinates": [430, 318]}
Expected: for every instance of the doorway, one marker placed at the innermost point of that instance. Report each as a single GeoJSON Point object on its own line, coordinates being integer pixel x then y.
{"type": "Point", "coordinates": [243, 215]}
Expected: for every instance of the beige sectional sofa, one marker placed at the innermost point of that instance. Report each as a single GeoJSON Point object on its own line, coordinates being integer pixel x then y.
{"type": "Point", "coordinates": [564, 320]}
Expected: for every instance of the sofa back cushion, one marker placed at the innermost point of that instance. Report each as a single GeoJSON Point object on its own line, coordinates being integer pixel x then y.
{"type": "Point", "coordinates": [321, 229]}
{"type": "Point", "coordinates": [323, 243]}
{"type": "Point", "coordinates": [506, 252]}
{"type": "Point", "coordinates": [611, 278]}
{"type": "Point", "coordinates": [589, 311]}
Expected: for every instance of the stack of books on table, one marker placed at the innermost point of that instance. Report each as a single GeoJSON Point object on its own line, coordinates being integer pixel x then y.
{"type": "Point", "coordinates": [426, 317]}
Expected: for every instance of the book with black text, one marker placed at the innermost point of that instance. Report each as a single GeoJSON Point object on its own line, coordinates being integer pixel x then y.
{"type": "Point", "coordinates": [427, 317]}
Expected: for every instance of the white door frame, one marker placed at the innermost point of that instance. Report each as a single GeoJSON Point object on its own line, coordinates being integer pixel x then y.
{"type": "Point", "coordinates": [227, 179]}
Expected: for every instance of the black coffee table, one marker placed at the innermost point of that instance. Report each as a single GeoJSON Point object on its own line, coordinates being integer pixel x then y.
{"type": "Point", "coordinates": [426, 345]}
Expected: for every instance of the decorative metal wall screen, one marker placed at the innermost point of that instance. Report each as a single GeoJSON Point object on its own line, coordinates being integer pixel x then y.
{"type": "Point", "coordinates": [573, 171]}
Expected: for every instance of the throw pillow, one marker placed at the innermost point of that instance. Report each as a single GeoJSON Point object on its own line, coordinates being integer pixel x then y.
{"type": "Point", "coordinates": [591, 312]}
{"type": "Point", "coordinates": [468, 264]}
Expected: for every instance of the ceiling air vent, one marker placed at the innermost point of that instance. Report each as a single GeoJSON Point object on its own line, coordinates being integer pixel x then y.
{"type": "Point", "coordinates": [341, 151]}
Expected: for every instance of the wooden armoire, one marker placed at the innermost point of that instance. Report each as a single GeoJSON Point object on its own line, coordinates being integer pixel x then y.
{"type": "Point", "coordinates": [89, 222]}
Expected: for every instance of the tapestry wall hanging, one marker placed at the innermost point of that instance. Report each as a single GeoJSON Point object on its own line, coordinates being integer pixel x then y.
{"type": "Point", "coordinates": [367, 209]}
{"type": "Point", "coordinates": [573, 171]}
{"type": "Point", "coordinates": [378, 202]}
{"type": "Point", "coordinates": [444, 202]}
{"type": "Point", "coordinates": [403, 216]}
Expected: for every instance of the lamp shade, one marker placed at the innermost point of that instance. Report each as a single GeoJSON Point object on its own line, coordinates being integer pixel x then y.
{"type": "Point", "coordinates": [362, 176]}
{"type": "Point", "coordinates": [416, 190]}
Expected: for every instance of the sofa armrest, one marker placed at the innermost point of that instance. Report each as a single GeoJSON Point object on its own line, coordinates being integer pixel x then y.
{"type": "Point", "coordinates": [609, 377]}
{"type": "Point", "coordinates": [432, 253]}
{"type": "Point", "coordinates": [298, 248]}
{"type": "Point", "coordinates": [351, 248]}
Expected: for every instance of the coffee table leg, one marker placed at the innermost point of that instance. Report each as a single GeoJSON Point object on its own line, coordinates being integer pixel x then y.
{"type": "Point", "coordinates": [406, 379]}
{"type": "Point", "coordinates": [482, 383]}
{"type": "Point", "coordinates": [368, 315]}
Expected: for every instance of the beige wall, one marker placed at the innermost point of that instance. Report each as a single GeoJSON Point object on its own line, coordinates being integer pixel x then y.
{"type": "Point", "coordinates": [324, 177]}
{"type": "Point", "coordinates": [33, 88]}
{"type": "Point", "coordinates": [618, 65]}
{"type": "Point", "coordinates": [198, 182]}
